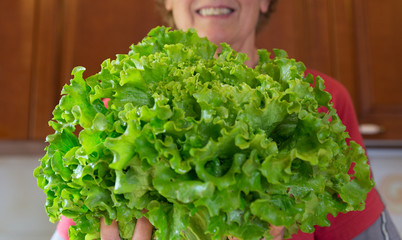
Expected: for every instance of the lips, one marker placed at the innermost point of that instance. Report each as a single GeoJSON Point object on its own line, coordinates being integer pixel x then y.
{"type": "Point", "coordinates": [215, 11]}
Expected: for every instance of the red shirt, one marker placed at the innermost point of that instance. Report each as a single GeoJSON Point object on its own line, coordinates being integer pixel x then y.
{"type": "Point", "coordinates": [349, 225]}
{"type": "Point", "coordinates": [344, 226]}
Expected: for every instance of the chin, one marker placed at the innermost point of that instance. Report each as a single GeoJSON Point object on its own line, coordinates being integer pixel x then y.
{"type": "Point", "coordinates": [216, 36]}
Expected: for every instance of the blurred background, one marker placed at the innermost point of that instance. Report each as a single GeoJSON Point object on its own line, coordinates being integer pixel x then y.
{"type": "Point", "coordinates": [357, 42]}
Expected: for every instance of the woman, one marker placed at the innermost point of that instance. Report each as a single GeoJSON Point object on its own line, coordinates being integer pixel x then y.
{"type": "Point", "coordinates": [236, 22]}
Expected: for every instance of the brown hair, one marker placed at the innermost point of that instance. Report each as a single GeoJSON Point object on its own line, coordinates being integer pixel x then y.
{"type": "Point", "coordinates": [167, 16]}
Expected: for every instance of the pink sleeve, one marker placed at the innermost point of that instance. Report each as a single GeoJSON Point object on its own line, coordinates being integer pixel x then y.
{"type": "Point", "coordinates": [63, 226]}
{"type": "Point", "coordinates": [106, 101]}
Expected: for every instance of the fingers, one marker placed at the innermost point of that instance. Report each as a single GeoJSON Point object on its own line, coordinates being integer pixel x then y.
{"type": "Point", "coordinates": [277, 232]}
{"type": "Point", "coordinates": [109, 232]}
{"type": "Point", "coordinates": [143, 229]}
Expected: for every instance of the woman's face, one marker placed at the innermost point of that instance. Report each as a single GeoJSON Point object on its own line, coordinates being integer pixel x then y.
{"type": "Point", "coordinates": [230, 21]}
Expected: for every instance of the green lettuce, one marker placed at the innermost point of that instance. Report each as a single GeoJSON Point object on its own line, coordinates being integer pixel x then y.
{"type": "Point", "coordinates": [210, 147]}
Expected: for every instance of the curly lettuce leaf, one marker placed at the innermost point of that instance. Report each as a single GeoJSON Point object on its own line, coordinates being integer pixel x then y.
{"type": "Point", "coordinates": [210, 147]}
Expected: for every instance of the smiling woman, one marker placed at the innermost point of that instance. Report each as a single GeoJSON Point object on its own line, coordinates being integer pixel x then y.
{"type": "Point", "coordinates": [232, 22]}
{"type": "Point", "coordinates": [168, 17]}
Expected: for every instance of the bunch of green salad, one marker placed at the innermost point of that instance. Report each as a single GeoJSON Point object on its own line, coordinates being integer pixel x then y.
{"type": "Point", "coordinates": [210, 147]}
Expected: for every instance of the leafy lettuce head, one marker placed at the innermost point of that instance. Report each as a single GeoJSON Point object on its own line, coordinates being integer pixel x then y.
{"type": "Point", "coordinates": [208, 146]}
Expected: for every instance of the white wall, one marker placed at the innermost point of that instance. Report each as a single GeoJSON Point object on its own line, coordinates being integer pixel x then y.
{"type": "Point", "coordinates": [387, 172]}
{"type": "Point", "coordinates": [22, 212]}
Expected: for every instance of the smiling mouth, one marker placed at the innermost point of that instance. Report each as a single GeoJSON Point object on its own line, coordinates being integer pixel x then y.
{"type": "Point", "coordinates": [215, 11]}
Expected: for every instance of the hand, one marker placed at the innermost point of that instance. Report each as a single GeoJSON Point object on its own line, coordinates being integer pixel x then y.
{"type": "Point", "coordinates": [276, 232]}
{"type": "Point", "coordinates": [143, 230]}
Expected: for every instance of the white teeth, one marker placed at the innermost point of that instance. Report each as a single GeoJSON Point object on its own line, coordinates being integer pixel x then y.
{"type": "Point", "coordinates": [214, 11]}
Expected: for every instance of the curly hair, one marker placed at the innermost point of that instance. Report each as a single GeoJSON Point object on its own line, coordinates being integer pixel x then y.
{"type": "Point", "coordinates": [167, 16]}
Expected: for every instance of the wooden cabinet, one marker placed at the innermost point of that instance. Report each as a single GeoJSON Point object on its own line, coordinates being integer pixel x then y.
{"type": "Point", "coordinates": [379, 51]}
{"type": "Point", "coordinates": [41, 41]}
{"type": "Point", "coordinates": [16, 47]}
{"type": "Point", "coordinates": [356, 42]}
{"type": "Point", "coordinates": [81, 33]}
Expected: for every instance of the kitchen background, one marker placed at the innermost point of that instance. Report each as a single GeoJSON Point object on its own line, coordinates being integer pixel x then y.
{"type": "Point", "coordinates": [357, 42]}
